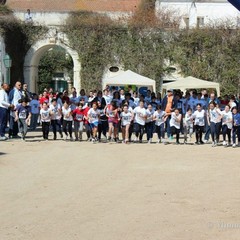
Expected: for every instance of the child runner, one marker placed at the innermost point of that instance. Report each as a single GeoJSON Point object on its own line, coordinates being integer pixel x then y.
{"type": "Point", "coordinates": [126, 118]}
{"type": "Point", "coordinates": [139, 120]}
{"type": "Point", "coordinates": [175, 124]}
{"type": "Point", "coordinates": [214, 117]}
{"type": "Point", "coordinates": [103, 122]}
{"type": "Point", "coordinates": [149, 125]}
{"type": "Point", "coordinates": [93, 118]}
{"type": "Point", "coordinates": [45, 119]}
{"type": "Point", "coordinates": [23, 116]}
{"type": "Point", "coordinates": [236, 127]}
{"type": "Point", "coordinates": [113, 119]}
{"type": "Point", "coordinates": [188, 124]}
{"type": "Point", "coordinates": [227, 125]}
{"type": "Point", "coordinates": [67, 120]}
{"type": "Point", "coordinates": [159, 118]}
{"type": "Point", "coordinates": [56, 115]}
{"type": "Point", "coordinates": [199, 123]}
{"type": "Point", "coordinates": [78, 116]}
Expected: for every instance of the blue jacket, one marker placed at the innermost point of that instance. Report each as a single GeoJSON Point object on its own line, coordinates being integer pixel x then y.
{"type": "Point", "coordinates": [236, 119]}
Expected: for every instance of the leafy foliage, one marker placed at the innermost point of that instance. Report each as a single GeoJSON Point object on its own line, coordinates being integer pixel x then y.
{"type": "Point", "coordinates": [51, 62]}
{"type": "Point", "coordinates": [18, 37]}
{"type": "Point", "coordinates": [210, 53]}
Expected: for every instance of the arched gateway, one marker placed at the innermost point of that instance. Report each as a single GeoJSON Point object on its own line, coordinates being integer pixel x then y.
{"type": "Point", "coordinates": [37, 51]}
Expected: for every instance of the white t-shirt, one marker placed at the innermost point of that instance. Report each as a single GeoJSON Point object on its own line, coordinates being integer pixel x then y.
{"type": "Point", "coordinates": [126, 118]}
{"type": "Point", "coordinates": [130, 109]}
{"type": "Point", "coordinates": [173, 121]}
{"type": "Point", "coordinates": [227, 116]}
{"type": "Point", "coordinates": [34, 104]}
{"type": "Point", "coordinates": [199, 117]}
{"type": "Point", "coordinates": [108, 99]}
{"type": "Point", "coordinates": [214, 115]}
{"type": "Point", "coordinates": [140, 114]}
{"type": "Point", "coordinates": [187, 120]}
{"type": "Point", "coordinates": [136, 101]}
{"type": "Point", "coordinates": [66, 114]}
{"type": "Point", "coordinates": [55, 112]}
{"type": "Point", "coordinates": [149, 116]}
{"type": "Point", "coordinates": [45, 115]}
{"type": "Point", "coordinates": [159, 117]}
{"type": "Point", "coordinates": [93, 114]}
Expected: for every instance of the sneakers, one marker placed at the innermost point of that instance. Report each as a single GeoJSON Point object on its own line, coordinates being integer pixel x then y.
{"type": "Point", "coordinates": [158, 141]}
{"type": "Point", "coordinates": [214, 144]}
{"type": "Point", "coordinates": [224, 143]}
{"type": "Point", "coordinates": [3, 138]}
{"type": "Point", "coordinates": [205, 141]}
{"type": "Point", "coordinates": [150, 141]}
{"type": "Point", "coordinates": [234, 145]}
{"type": "Point", "coordinates": [23, 137]}
{"type": "Point", "coordinates": [164, 142]}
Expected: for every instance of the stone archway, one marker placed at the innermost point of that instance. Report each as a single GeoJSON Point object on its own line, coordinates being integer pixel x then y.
{"type": "Point", "coordinates": [34, 55]}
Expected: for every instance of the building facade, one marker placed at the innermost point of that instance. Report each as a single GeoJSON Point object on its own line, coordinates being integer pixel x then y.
{"type": "Point", "coordinates": [52, 13]}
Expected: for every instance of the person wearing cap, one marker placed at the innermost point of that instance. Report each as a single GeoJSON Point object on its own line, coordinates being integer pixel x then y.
{"type": "Point", "coordinates": [169, 103]}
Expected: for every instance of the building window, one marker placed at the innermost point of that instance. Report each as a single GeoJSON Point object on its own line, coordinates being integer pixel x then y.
{"type": "Point", "coordinates": [200, 22]}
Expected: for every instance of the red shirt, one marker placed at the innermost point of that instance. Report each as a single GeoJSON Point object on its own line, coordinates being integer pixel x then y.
{"type": "Point", "coordinates": [78, 115]}
{"type": "Point", "coordinates": [43, 100]}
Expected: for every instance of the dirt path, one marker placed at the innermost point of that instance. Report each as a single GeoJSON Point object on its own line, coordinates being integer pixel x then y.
{"type": "Point", "coordinates": [59, 190]}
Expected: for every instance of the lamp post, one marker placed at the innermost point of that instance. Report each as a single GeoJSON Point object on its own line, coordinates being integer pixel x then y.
{"type": "Point", "coordinates": [8, 64]}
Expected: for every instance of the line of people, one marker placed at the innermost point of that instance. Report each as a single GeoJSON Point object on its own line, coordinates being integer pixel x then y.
{"type": "Point", "coordinates": [110, 113]}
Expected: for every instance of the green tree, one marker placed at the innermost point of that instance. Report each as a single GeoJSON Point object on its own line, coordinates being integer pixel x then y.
{"type": "Point", "coordinates": [53, 60]}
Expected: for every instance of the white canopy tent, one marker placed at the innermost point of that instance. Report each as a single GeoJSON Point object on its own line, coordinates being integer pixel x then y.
{"type": "Point", "coordinates": [130, 78]}
{"type": "Point", "coordinates": [191, 83]}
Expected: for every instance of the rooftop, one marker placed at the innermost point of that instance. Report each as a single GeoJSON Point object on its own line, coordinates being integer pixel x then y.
{"type": "Point", "coordinates": [74, 5]}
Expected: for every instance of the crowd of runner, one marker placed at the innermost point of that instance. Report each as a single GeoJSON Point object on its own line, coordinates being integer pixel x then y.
{"type": "Point", "coordinates": [103, 115]}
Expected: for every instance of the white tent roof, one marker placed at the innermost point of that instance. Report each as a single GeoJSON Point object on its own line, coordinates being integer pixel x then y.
{"type": "Point", "coordinates": [130, 78]}
{"type": "Point", "coordinates": [191, 83]}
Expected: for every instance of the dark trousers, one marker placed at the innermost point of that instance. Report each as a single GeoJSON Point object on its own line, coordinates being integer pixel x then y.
{"type": "Point", "coordinates": [88, 130]}
{"type": "Point", "coordinates": [130, 131]}
{"type": "Point", "coordinates": [139, 130]}
{"type": "Point", "coordinates": [215, 130]}
{"type": "Point", "coordinates": [176, 131]}
{"type": "Point", "coordinates": [56, 126]}
{"type": "Point", "coordinates": [3, 121]}
{"type": "Point", "coordinates": [168, 128]}
{"type": "Point", "coordinates": [102, 128]}
{"type": "Point", "coordinates": [207, 130]}
{"type": "Point", "coordinates": [45, 129]}
{"type": "Point", "coordinates": [236, 131]}
{"type": "Point", "coordinates": [149, 129]}
{"type": "Point", "coordinates": [67, 127]}
{"type": "Point", "coordinates": [160, 131]}
{"type": "Point", "coordinates": [226, 132]}
{"type": "Point", "coordinates": [13, 126]}
{"type": "Point", "coordinates": [199, 131]}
